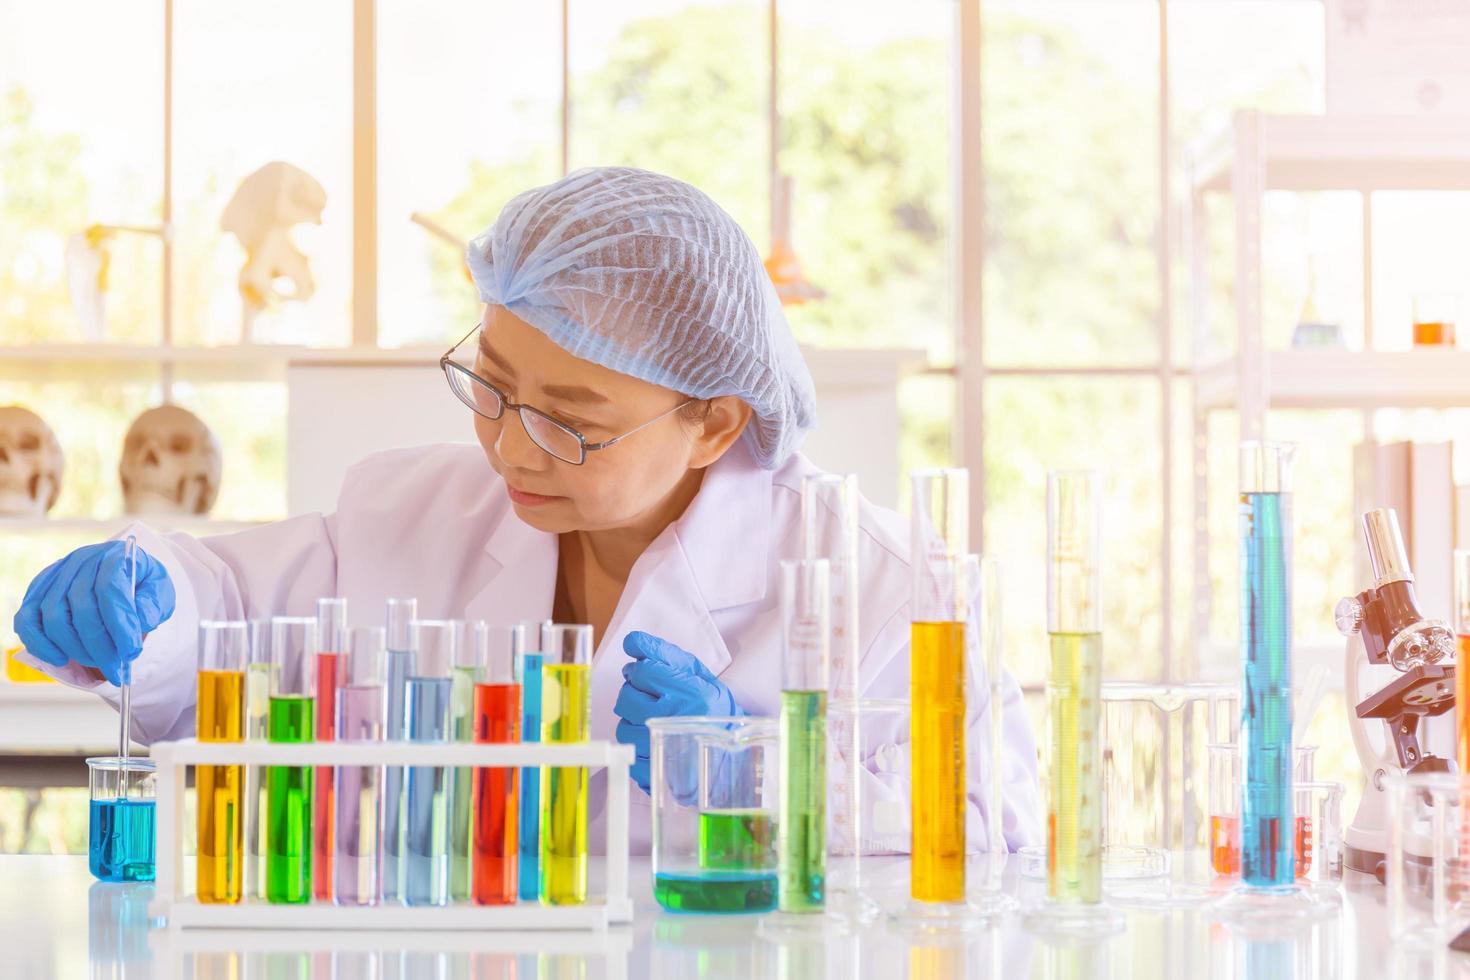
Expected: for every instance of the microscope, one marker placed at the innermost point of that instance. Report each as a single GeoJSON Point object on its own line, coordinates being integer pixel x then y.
{"type": "Point", "coordinates": [1385, 627]}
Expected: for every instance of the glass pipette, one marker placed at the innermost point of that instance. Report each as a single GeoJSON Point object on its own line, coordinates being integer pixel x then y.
{"type": "Point", "coordinates": [125, 669]}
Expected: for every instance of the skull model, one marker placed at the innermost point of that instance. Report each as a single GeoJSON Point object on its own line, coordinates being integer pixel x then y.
{"type": "Point", "coordinates": [170, 463]}
{"type": "Point", "coordinates": [30, 463]}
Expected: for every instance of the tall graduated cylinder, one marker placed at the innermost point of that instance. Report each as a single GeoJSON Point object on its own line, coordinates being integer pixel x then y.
{"type": "Point", "coordinates": [1266, 851]}
{"type": "Point", "coordinates": [224, 653]}
{"type": "Point", "coordinates": [402, 637]}
{"type": "Point", "coordinates": [494, 815]}
{"type": "Point", "coordinates": [426, 800]}
{"type": "Point", "coordinates": [566, 715]}
{"type": "Point", "coordinates": [805, 669]}
{"type": "Point", "coordinates": [288, 788]}
{"type": "Point", "coordinates": [331, 624]}
{"type": "Point", "coordinates": [362, 707]}
{"type": "Point", "coordinates": [1074, 686]}
{"type": "Point", "coordinates": [937, 685]}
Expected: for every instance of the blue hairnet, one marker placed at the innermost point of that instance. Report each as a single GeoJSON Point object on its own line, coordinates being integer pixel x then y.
{"type": "Point", "coordinates": [646, 275]}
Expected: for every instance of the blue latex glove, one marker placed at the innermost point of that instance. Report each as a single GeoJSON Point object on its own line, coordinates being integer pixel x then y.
{"type": "Point", "coordinates": [663, 681]}
{"type": "Point", "coordinates": [80, 609]}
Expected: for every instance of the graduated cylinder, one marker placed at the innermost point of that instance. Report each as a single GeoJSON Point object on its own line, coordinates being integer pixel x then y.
{"type": "Point", "coordinates": [801, 832]}
{"type": "Point", "coordinates": [937, 684]}
{"type": "Point", "coordinates": [224, 652]}
{"type": "Point", "coordinates": [1074, 686]}
{"type": "Point", "coordinates": [1267, 856]}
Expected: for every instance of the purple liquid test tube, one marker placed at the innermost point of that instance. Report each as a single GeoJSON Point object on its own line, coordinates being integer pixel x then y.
{"type": "Point", "coordinates": [362, 709]}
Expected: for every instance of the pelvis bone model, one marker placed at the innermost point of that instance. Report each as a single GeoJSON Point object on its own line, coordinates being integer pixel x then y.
{"type": "Point", "coordinates": [265, 207]}
{"type": "Point", "coordinates": [30, 463]}
{"type": "Point", "coordinates": [170, 463]}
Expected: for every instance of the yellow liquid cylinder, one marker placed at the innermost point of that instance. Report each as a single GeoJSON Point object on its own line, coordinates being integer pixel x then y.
{"type": "Point", "coordinates": [221, 718]}
{"type": "Point", "coordinates": [1074, 792]}
{"type": "Point", "coordinates": [566, 699]}
{"type": "Point", "coordinates": [937, 679]}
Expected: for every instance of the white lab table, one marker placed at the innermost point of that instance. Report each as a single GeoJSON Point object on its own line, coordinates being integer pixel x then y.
{"type": "Point", "coordinates": [56, 922]}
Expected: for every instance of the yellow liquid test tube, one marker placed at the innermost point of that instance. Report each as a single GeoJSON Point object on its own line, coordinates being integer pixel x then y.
{"type": "Point", "coordinates": [566, 704]}
{"type": "Point", "coordinates": [937, 684]}
{"type": "Point", "coordinates": [223, 653]}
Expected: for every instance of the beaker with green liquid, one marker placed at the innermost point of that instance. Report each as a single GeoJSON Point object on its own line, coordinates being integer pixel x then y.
{"type": "Point", "coordinates": [715, 787]}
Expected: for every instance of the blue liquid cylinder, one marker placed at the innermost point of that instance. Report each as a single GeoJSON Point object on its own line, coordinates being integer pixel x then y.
{"type": "Point", "coordinates": [1266, 842]}
{"type": "Point", "coordinates": [530, 817]}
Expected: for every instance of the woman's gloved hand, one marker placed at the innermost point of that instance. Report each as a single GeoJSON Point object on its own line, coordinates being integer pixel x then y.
{"type": "Point", "coordinates": [80, 609]}
{"type": "Point", "coordinates": [663, 681]}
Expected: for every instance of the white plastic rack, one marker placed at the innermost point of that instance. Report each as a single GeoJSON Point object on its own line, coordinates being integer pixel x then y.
{"type": "Point", "coordinates": [174, 899]}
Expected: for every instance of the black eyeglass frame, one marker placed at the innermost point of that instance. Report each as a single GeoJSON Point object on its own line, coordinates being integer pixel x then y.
{"type": "Point", "coordinates": [450, 367]}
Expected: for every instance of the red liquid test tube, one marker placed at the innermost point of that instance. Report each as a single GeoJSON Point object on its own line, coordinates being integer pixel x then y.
{"type": "Point", "coordinates": [331, 617]}
{"type": "Point", "coordinates": [494, 852]}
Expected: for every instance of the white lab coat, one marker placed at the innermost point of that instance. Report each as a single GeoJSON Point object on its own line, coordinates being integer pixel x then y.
{"type": "Point", "coordinates": [435, 523]}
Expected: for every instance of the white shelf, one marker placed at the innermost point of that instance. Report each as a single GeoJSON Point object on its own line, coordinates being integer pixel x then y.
{"type": "Point", "coordinates": [1321, 153]}
{"type": "Point", "coordinates": [1325, 379]}
{"type": "Point", "coordinates": [53, 719]}
{"type": "Point", "coordinates": [111, 525]}
{"type": "Point", "coordinates": [240, 363]}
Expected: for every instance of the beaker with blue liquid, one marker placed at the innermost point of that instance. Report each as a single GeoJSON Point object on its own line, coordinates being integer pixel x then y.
{"type": "Point", "coordinates": [715, 787]}
{"type": "Point", "coordinates": [120, 834]}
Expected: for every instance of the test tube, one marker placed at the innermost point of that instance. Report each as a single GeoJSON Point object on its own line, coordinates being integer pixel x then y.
{"type": "Point", "coordinates": [467, 671]}
{"type": "Point", "coordinates": [426, 814]}
{"type": "Point", "coordinates": [1266, 858]}
{"type": "Point", "coordinates": [529, 674]}
{"type": "Point", "coordinates": [288, 793]}
{"type": "Point", "coordinates": [224, 651]}
{"type": "Point", "coordinates": [362, 707]}
{"type": "Point", "coordinates": [806, 661]}
{"type": "Point", "coordinates": [937, 685]}
{"type": "Point", "coordinates": [403, 644]}
{"type": "Point", "coordinates": [1074, 689]}
{"type": "Point", "coordinates": [566, 679]}
{"type": "Point", "coordinates": [257, 729]}
{"type": "Point", "coordinates": [495, 879]}
{"type": "Point", "coordinates": [331, 624]}
{"type": "Point", "coordinates": [1462, 656]}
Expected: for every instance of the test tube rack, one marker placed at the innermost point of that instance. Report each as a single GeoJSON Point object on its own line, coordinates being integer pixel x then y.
{"type": "Point", "coordinates": [174, 901]}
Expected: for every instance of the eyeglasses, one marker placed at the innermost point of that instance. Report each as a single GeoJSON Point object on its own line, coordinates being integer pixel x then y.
{"type": "Point", "coordinates": [554, 438]}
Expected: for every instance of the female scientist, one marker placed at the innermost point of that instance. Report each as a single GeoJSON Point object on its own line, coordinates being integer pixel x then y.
{"type": "Point", "coordinates": [639, 399]}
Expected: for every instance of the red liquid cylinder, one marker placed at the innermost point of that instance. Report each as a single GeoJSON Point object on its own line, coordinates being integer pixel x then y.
{"type": "Point", "coordinates": [493, 858]}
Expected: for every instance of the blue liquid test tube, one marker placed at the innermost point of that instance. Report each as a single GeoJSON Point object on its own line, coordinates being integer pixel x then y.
{"type": "Point", "coordinates": [1267, 857]}
{"type": "Point", "coordinates": [530, 816]}
{"type": "Point", "coordinates": [402, 648]}
{"type": "Point", "coordinates": [426, 810]}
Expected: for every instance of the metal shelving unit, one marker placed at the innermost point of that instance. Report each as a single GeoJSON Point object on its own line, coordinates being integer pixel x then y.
{"type": "Point", "coordinates": [1262, 152]}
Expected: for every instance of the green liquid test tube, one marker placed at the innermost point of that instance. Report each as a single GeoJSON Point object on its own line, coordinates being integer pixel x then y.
{"type": "Point", "coordinates": [288, 788]}
{"type": "Point", "coordinates": [802, 830]}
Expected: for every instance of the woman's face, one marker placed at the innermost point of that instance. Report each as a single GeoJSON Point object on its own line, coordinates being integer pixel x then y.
{"type": "Point", "coordinates": [616, 486]}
